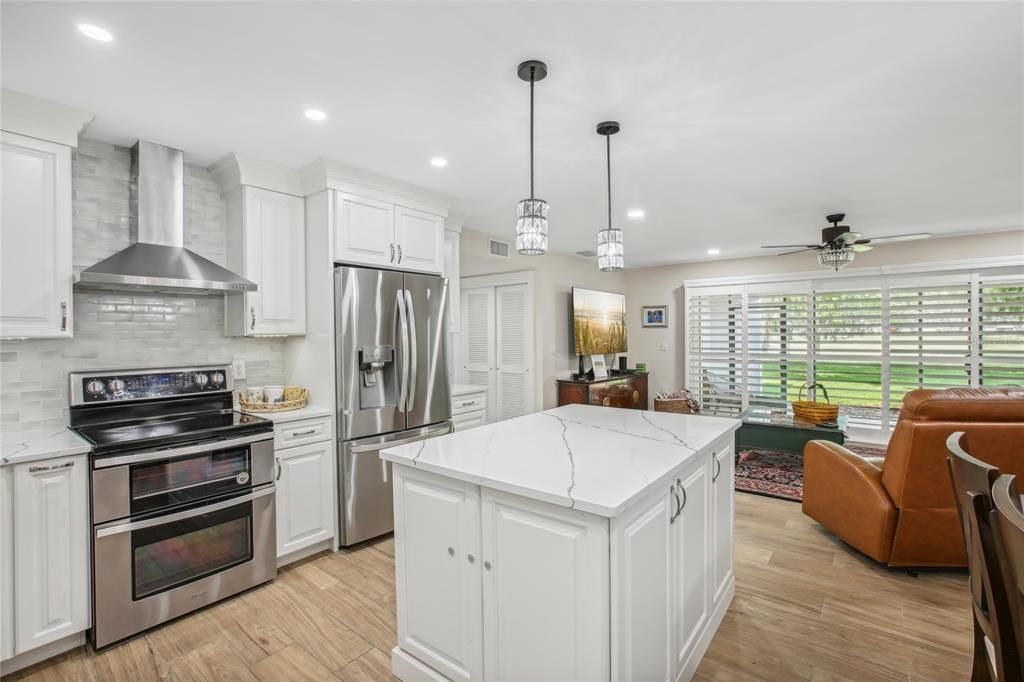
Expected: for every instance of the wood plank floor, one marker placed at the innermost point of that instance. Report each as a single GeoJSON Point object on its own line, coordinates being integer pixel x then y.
{"type": "Point", "coordinates": [806, 608]}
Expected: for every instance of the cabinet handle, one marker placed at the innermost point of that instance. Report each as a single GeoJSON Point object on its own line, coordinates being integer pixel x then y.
{"type": "Point", "coordinates": [52, 467]}
{"type": "Point", "coordinates": [487, 565]}
{"type": "Point", "coordinates": [307, 432]}
{"type": "Point", "coordinates": [399, 253]}
{"type": "Point", "coordinates": [466, 403]}
{"type": "Point", "coordinates": [471, 558]}
{"type": "Point", "coordinates": [64, 316]}
{"type": "Point", "coordinates": [718, 471]}
{"type": "Point", "coordinates": [672, 489]}
{"type": "Point", "coordinates": [252, 315]}
{"type": "Point", "coordinates": [277, 460]}
{"type": "Point", "coordinates": [679, 484]}
{"type": "Point", "coordinates": [392, 259]}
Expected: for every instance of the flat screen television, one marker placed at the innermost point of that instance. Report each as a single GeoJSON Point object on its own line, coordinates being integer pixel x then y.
{"type": "Point", "coordinates": [598, 322]}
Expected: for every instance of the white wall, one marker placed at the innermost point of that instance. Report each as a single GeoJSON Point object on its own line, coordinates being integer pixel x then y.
{"type": "Point", "coordinates": [554, 276]}
{"type": "Point", "coordinates": [662, 349]}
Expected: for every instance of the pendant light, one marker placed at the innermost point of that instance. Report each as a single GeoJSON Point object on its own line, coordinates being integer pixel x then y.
{"type": "Point", "coordinates": [532, 213]}
{"type": "Point", "coordinates": [610, 255]}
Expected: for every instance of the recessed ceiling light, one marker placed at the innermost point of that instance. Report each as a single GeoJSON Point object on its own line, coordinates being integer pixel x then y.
{"type": "Point", "coordinates": [635, 213]}
{"type": "Point", "coordinates": [714, 252]}
{"type": "Point", "coordinates": [95, 32]}
{"type": "Point", "coordinates": [439, 162]}
{"type": "Point", "coordinates": [315, 115]}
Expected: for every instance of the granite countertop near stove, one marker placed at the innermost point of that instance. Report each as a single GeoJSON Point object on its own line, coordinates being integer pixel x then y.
{"type": "Point", "coordinates": [596, 459]}
{"type": "Point", "coordinates": [31, 446]}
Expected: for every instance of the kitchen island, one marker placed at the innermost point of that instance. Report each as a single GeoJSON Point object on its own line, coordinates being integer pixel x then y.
{"type": "Point", "coordinates": [580, 543]}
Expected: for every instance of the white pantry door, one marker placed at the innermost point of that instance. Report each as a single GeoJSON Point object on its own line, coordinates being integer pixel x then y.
{"type": "Point", "coordinates": [477, 352]}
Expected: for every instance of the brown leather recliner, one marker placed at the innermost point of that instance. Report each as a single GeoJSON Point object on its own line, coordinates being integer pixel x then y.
{"type": "Point", "coordinates": [901, 510]}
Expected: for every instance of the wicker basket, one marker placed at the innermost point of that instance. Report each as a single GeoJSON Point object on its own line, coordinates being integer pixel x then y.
{"type": "Point", "coordinates": [295, 398]}
{"type": "Point", "coordinates": [677, 405]}
{"type": "Point", "coordinates": [813, 411]}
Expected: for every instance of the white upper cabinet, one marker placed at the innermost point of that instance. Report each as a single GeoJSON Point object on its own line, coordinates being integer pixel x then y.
{"type": "Point", "coordinates": [267, 245]}
{"type": "Point", "coordinates": [364, 231]}
{"type": "Point", "coordinates": [378, 233]}
{"type": "Point", "coordinates": [35, 238]}
{"type": "Point", "coordinates": [453, 271]}
{"type": "Point", "coordinates": [419, 240]}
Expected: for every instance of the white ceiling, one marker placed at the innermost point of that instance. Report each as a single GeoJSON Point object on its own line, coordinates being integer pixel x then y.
{"type": "Point", "coordinates": [742, 124]}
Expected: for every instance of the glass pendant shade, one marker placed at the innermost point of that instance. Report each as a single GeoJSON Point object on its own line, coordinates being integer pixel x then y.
{"type": "Point", "coordinates": [610, 253]}
{"type": "Point", "coordinates": [836, 258]}
{"type": "Point", "coordinates": [532, 227]}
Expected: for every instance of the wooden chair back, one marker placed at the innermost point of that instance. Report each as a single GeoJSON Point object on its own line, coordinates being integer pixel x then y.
{"type": "Point", "coordinates": [1008, 518]}
{"type": "Point", "coordinates": [972, 482]}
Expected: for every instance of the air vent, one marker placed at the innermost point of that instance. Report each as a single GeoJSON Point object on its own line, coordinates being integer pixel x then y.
{"type": "Point", "coordinates": [499, 248]}
{"type": "Point", "coordinates": [586, 254]}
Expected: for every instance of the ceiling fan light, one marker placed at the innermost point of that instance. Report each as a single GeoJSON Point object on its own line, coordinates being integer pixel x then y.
{"type": "Point", "coordinates": [610, 251]}
{"type": "Point", "coordinates": [532, 227]}
{"type": "Point", "coordinates": [837, 257]}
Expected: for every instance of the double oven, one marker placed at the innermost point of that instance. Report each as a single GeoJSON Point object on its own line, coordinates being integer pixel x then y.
{"type": "Point", "coordinates": [182, 495]}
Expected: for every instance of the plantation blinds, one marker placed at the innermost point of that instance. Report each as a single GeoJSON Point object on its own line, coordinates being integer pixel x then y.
{"type": "Point", "coordinates": [869, 340]}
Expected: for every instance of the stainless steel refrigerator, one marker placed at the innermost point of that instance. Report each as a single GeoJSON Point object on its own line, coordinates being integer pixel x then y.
{"type": "Point", "coordinates": [392, 384]}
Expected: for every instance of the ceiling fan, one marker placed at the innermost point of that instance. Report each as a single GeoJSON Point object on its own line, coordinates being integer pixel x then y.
{"type": "Point", "coordinates": [839, 245]}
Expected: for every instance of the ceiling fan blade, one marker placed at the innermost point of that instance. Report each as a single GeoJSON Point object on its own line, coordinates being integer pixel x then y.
{"type": "Point", "coordinates": [803, 250]}
{"type": "Point", "coordinates": [848, 237]}
{"type": "Point", "coordinates": [861, 248]}
{"type": "Point", "coordinates": [791, 246]}
{"type": "Point", "coordinates": [901, 237]}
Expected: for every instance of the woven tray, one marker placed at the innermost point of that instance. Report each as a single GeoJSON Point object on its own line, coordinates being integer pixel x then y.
{"type": "Point", "coordinates": [295, 398]}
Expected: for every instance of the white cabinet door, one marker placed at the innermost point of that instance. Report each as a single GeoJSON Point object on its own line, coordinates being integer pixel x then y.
{"type": "Point", "coordinates": [689, 566]}
{"type": "Point", "coordinates": [364, 232]}
{"type": "Point", "coordinates": [640, 589]}
{"type": "Point", "coordinates": [452, 270]}
{"type": "Point", "coordinates": [542, 559]}
{"type": "Point", "coordinates": [275, 257]}
{"type": "Point", "coordinates": [477, 340]}
{"type": "Point", "coordinates": [419, 240]}
{"type": "Point", "coordinates": [35, 238]}
{"type": "Point", "coordinates": [437, 570]}
{"type": "Point", "coordinates": [6, 564]}
{"type": "Point", "coordinates": [51, 565]}
{"type": "Point", "coordinates": [513, 351]}
{"type": "Point", "coordinates": [468, 420]}
{"type": "Point", "coordinates": [723, 498]}
{"type": "Point", "coordinates": [305, 506]}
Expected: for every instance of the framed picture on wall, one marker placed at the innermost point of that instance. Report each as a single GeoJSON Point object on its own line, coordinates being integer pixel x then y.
{"type": "Point", "coordinates": [654, 316]}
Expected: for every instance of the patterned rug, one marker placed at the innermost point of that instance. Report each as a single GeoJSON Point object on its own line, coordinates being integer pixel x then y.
{"type": "Point", "coordinates": [774, 473]}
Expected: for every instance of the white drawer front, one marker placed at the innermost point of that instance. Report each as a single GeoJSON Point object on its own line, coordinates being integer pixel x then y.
{"type": "Point", "coordinates": [302, 432]}
{"type": "Point", "coordinates": [468, 420]}
{"type": "Point", "coordinates": [469, 403]}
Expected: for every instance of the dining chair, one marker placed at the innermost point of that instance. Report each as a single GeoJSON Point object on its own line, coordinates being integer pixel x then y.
{"type": "Point", "coordinates": [1009, 526]}
{"type": "Point", "coordinates": [996, 653]}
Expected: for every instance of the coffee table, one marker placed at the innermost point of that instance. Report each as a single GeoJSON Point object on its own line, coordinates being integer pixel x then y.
{"type": "Point", "coordinates": [779, 429]}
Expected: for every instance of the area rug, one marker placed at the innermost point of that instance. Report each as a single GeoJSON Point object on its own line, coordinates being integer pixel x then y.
{"type": "Point", "coordinates": [774, 473]}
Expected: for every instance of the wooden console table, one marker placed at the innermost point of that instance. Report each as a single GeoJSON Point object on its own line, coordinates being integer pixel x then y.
{"type": "Point", "coordinates": [618, 390]}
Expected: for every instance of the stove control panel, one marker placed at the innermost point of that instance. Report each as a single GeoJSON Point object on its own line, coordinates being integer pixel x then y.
{"type": "Point", "coordinates": [99, 387]}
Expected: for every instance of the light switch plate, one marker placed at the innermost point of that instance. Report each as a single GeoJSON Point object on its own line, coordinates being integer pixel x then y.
{"type": "Point", "coordinates": [238, 369]}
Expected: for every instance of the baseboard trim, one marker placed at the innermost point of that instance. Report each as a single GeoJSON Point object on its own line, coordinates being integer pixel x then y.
{"type": "Point", "coordinates": [298, 554]}
{"type": "Point", "coordinates": [408, 668]}
{"type": "Point", "coordinates": [40, 654]}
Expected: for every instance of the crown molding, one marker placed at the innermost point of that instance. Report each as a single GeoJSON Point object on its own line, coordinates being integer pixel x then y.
{"type": "Point", "coordinates": [326, 174]}
{"type": "Point", "coordinates": [233, 171]}
{"type": "Point", "coordinates": [41, 118]}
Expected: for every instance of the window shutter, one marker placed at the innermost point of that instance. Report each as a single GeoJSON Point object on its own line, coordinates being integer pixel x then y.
{"type": "Point", "coordinates": [847, 351]}
{"type": "Point", "coordinates": [715, 342]}
{"type": "Point", "coordinates": [929, 338]}
{"type": "Point", "coordinates": [1001, 332]}
{"type": "Point", "coordinates": [777, 345]}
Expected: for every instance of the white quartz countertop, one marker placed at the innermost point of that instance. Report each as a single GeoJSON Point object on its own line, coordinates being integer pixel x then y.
{"type": "Point", "coordinates": [463, 389]}
{"type": "Point", "coordinates": [596, 459]}
{"type": "Point", "coordinates": [30, 446]}
{"type": "Point", "coordinates": [307, 412]}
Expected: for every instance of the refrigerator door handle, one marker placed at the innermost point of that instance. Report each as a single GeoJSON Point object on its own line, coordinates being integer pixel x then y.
{"type": "Point", "coordinates": [403, 323]}
{"type": "Point", "coordinates": [383, 444]}
{"type": "Point", "coordinates": [413, 370]}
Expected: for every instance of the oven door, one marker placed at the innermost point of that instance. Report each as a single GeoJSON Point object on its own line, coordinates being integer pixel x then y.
{"type": "Point", "coordinates": [144, 482]}
{"type": "Point", "coordinates": [154, 569]}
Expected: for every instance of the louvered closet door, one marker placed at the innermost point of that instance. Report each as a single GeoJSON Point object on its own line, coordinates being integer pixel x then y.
{"type": "Point", "coordinates": [513, 341]}
{"type": "Point", "coordinates": [478, 341]}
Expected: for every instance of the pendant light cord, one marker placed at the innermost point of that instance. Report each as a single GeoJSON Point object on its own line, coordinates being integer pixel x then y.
{"type": "Point", "coordinates": [608, 147]}
{"type": "Point", "coordinates": [532, 70]}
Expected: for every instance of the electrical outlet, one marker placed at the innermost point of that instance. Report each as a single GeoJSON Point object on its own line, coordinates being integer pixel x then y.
{"type": "Point", "coordinates": [664, 346]}
{"type": "Point", "coordinates": [238, 369]}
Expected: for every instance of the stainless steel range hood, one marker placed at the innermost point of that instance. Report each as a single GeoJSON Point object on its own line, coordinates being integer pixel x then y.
{"type": "Point", "coordinates": [158, 260]}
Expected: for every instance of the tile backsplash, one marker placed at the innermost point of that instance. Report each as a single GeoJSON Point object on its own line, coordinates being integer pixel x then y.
{"type": "Point", "coordinates": [126, 329]}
